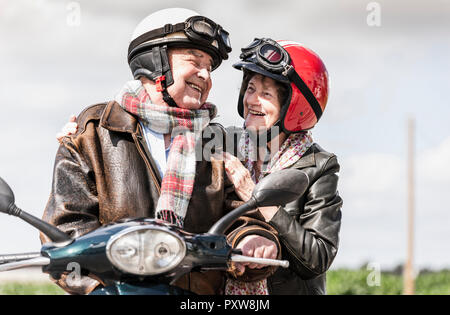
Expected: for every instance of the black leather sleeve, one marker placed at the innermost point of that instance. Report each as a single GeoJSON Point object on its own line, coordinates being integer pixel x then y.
{"type": "Point", "coordinates": [311, 239]}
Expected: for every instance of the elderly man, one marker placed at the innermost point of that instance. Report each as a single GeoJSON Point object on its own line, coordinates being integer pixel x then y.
{"type": "Point", "coordinates": [135, 156]}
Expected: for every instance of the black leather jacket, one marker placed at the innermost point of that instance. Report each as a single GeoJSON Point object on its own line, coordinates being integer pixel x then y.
{"type": "Point", "coordinates": [309, 228]}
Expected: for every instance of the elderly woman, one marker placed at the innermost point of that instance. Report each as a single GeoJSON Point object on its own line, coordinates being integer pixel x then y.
{"type": "Point", "coordinates": [283, 95]}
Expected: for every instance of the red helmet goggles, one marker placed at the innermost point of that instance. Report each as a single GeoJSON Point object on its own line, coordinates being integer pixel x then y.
{"type": "Point", "coordinates": [269, 58]}
{"type": "Point", "coordinates": [266, 53]}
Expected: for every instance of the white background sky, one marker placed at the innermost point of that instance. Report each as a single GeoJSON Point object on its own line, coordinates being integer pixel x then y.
{"type": "Point", "coordinates": [379, 76]}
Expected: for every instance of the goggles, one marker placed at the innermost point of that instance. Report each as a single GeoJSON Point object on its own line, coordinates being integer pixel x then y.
{"type": "Point", "coordinates": [267, 54]}
{"type": "Point", "coordinates": [203, 29]}
{"type": "Point", "coordinates": [198, 29]}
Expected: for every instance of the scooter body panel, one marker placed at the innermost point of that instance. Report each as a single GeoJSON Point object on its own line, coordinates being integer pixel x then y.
{"type": "Point", "coordinates": [140, 289]}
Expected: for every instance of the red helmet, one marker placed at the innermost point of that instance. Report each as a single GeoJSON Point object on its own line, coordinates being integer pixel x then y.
{"type": "Point", "coordinates": [300, 69]}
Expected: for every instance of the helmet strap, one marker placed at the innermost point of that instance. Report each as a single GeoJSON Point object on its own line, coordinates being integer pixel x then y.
{"type": "Point", "coordinates": [266, 137]}
{"type": "Point", "coordinates": [162, 70]}
{"type": "Point", "coordinates": [168, 99]}
{"type": "Point", "coordinates": [304, 89]}
{"type": "Point", "coordinates": [273, 131]}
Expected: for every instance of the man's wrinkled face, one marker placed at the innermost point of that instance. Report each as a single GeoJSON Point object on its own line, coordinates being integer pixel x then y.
{"type": "Point", "coordinates": [191, 69]}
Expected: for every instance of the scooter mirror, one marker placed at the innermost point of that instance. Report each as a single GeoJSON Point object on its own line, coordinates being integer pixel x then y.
{"type": "Point", "coordinates": [276, 189]}
{"type": "Point", "coordinates": [7, 206]}
{"type": "Point", "coordinates": [6, 197]}
{"type": "Point", "coordinates": [280, 187]}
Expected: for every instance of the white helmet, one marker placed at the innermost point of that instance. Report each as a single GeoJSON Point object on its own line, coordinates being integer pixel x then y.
{"type": "Point", "coordinates": [175, 27]}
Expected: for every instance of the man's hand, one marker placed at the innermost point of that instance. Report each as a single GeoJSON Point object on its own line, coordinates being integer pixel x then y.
{"type": "Point", "coordinates": [258, 247]}
{"type": "Point", "coordinates": [69, 128]}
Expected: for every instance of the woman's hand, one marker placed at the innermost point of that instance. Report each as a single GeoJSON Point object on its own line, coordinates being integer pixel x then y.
{"type": "Point", "coordinates": [258, 247]}
{"type": "Point", "coordinates": [69, 128]}
{"type": "Point", "coordinates": [243, 183]}
{"type": "Point", "coordinates": [239, 176]}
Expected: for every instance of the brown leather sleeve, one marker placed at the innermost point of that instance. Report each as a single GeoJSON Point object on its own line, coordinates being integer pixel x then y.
{"type": "Point", "coordinates": [252, 225]}
{"type": "Point", "coordinates": [73, 202]}
{"type": "Point", "coordinates": [82, 286]}
{"type": "Point", "coordinates": [202, 282]}
{"type": "Point", "coordinates": [72, 206]}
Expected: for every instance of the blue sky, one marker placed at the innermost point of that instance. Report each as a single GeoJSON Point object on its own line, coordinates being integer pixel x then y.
{"type": "Point", "coordinates": [379, 76]}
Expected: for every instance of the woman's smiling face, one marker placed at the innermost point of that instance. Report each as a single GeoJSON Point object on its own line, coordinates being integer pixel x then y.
{"type": "Point", "coordinates": [262, 103]}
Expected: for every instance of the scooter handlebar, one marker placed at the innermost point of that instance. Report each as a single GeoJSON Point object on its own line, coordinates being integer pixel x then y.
{"type": "Point", "coordinates": [17, 257]}
{"type": "Point", "coordinates": [261, 261]}
{"type": "Point", "coordinates": [38, 261]}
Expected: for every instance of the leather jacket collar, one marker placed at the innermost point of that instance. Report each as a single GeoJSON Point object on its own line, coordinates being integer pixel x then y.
{"type": "Point", "coordinates": [115, 118]}
{"type": "Point", "coordinates": [307, 160]}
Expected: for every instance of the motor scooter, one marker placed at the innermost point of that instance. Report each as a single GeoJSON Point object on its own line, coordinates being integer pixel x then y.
{"type": "Point", "coordinates": [144, 255]}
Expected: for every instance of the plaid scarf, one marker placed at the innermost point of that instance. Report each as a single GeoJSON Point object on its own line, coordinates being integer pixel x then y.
{"type": "Point", "coordinates": [290, 152]}
{"type": "Point", "coordinates": [185, 127]}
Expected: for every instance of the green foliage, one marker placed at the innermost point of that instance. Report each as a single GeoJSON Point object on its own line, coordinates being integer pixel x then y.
{"type": "Point", "coordinates": [339, 282]}
{"type": "Point", "coordinates": [350, 282]}
{"type": "Point", "coordinates": [433, 283]}
{"type": "Point", "coordinates": [31, 288]}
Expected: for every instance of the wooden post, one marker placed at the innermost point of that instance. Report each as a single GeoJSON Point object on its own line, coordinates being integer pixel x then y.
{"type": "Point", "coordinates": [408, 274]}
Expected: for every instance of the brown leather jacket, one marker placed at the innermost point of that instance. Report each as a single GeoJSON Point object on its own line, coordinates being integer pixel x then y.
{"type": "Point", "coordinates": [105, 173]}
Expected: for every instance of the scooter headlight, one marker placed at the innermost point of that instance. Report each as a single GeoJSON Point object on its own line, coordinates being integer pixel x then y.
{"type": "Point", "coordinates": [146, 250]}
